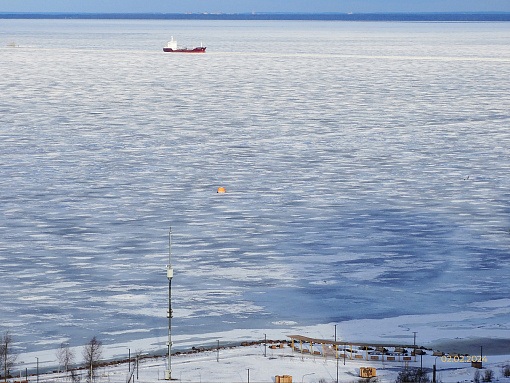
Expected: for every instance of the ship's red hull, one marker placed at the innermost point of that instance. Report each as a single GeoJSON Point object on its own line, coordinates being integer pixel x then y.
{"type": "Point", "coordinates": [185, 50]}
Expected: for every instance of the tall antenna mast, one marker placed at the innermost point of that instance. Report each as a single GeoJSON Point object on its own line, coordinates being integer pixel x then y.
{"type": "Point", "coordinates": [169, 274]}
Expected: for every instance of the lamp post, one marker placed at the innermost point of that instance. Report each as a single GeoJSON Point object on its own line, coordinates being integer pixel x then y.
{"type": "Point", "coordinates": [434, 369]}
{"type": "Point", "coordinates": [414, 345]}
{"type": "Point", "coordinates": [265, 345]}
{"type": "Point", "coordinates": [336, 356]}
{"type": "Point", "coordinates": [37, 369]}
{"type": "Point", "coordinates": [169, 274]}
{"type": "Point", "coordinates": [311, 373]}
{"type": "Point", "coordinates": [218, 352]}
{"type": "Point", "coordinates": [248, 375]}
{"type": "Point", "coordinates": [136, 367]}
{"type": "Point", "coordinates": [20, 369]}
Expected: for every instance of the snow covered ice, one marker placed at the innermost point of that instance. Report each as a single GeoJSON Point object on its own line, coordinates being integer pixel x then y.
{"type": "Point", "coordinates": [367, 183]}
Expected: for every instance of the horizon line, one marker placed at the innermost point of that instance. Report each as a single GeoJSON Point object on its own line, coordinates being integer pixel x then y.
{"type": "Point", "coordinates": [290, 16]}
{"type": "Point", "coordinates": [255, 13]}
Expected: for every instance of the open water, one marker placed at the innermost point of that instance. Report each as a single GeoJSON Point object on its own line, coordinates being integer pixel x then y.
{"type": "Point", "coordinates": [366, 166]}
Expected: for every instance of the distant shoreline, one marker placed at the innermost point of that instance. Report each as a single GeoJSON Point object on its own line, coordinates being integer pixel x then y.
{"type": "Point", "coordinates": [432, 17]}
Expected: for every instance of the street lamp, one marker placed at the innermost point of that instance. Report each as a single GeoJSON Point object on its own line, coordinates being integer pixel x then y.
{"type": "Point", "coordinates": [136, 367]}
{"type": "Point", "coordinates": [21, 362]}
{"type": "Point", "coordinates": [37, 369]}
{"type": "Point", "coordinates": [434, 370]}
{"type": "Point", "coordinates": [336, 357]}
{"type": "Point", "coordinates": [414, 344]}
{"type": "Point", "coordinates": [302, 379]}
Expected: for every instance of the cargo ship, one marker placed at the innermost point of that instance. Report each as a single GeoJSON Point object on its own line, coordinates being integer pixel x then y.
{"type": "Point", "coordinates": [171, 46]}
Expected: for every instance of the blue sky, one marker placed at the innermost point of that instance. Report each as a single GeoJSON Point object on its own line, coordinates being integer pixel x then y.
{"type": "Point", "coordinates": [233, 6]}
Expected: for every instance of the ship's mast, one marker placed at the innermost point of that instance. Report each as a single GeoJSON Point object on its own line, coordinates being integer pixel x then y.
{"type": "Point", "coordinates": [169, 274]}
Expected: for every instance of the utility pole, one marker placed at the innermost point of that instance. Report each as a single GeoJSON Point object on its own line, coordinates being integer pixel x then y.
{"type": "Point", "coordinates": [169, 274]}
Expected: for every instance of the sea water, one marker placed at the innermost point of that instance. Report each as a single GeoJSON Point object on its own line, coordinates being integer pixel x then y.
{"type": "Point", "coordinates": [366, 166]}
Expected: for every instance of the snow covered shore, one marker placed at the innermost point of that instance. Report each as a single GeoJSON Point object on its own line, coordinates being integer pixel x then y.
{"type": "Point", "coordinates": [248, 364]}
{"type": "Point", "coordinates": [233, 364]}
